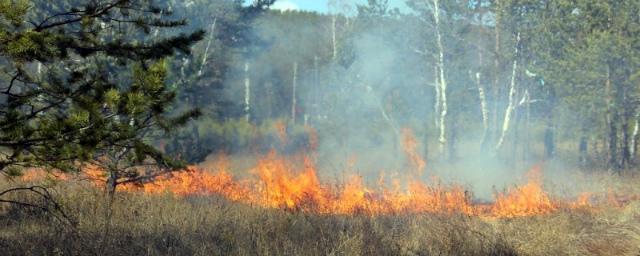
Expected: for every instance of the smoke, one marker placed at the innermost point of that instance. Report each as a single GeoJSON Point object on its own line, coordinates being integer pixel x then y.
{"type": "Point", "coordinates": [360, 101]}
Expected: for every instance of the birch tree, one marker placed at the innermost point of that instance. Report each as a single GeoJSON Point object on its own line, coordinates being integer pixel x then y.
{"type": "Point", "coordinates": [247, 92]}
{"type": "Point", "coordinates": [512, 95]}
{"type": "Point", "coordinates": [484, 110]}
{"type": "Point", "coordinates": [294, 87]}
{"type": "Point", "coordinates": [442, 81]}
{"type": "Point", "coordinates": [335, 8]}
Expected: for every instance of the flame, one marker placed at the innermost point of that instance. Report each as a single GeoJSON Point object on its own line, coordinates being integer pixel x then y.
{"type": "Point", "coordinates": [293, 184]}
{"type": "Point", "coordinates": [529, 199]}
{"type": "Point", "coordinates": [410, 147]}
{"type": "Point", "coordinates": [279, 186]}
{"type": "Point", "coordinates": [583, 201]}
{"type": "Point", "coordinates": [278, 182]}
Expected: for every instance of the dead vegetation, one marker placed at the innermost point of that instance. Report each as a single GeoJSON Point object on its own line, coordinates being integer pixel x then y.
{"type": "Point", "coordinates": [166, 225]}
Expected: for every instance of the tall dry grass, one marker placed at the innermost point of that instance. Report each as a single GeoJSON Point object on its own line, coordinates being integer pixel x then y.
{"type": "Point", "coordinates": [166, 225]}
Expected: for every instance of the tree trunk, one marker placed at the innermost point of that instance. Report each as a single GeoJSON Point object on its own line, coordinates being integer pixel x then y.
{"type": "Point", "coordinates": [293, 92]}
{"type": "Point", "coordinates": [613, 141]}
{"type": "Point", "coordinates": [612, 121]}
{"type": "Point", "coordinates": [453, 151]}
{"type": "Point", "coordinates": [316, 88]}
{"type": "Point", "coordinates": [334, 38]}
{"type": "Point", "coordinates": [494, 131]}
{"type": "Point", "coordinates": [512, 95]}
{"type": "Point", "coordinates": [436, 107]}
{"type": "Point", "coordinates": [484, 110]}
{"type": "Point", "coordinates": [482, 95]}
{"type": "Point", "coordinates": [112, 182]}
{"type": "Point", "coordinates": [583, 150]}
{"type": "Point", "coordinates": [549, 145]}
{"type": "Point", "coordinates": [442, 139]}
{"type": "Point", "coordinates": [205, 56]}
{"type": "Point", "coordinates": [626, 152]}
{"type": "Point", "coordinates": [634, 138]}
{"type": "Point", "coordinates": [626, 137]}
{"type": "Point", "coordinates": [247, 92]}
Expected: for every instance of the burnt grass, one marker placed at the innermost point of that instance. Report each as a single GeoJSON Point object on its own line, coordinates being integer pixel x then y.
{"type": "Point", "coordinates": [167, 225]}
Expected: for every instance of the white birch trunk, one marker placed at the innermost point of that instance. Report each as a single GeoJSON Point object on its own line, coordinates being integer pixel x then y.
{"type": "Point", "coordinates": [443, 82]}
{"type": "Point", "coordinates": [316, 88]}
{"type": "Point", "coordinates": [206, 49]}
{"type": "Point", "coordinates": [334, 38]}
{"type": "Point", "coordinates": [247, 92]}
{"type": "Point", "coordinates": [293, 92]}
{"type": "Point", "coordinates": [436, 107]}
{"type": "Point", "coordinates": [512, 95]}
{"type": "Point", "coordinates": [483, 107]}
{"type": "Point", "coordinates": [634, 137]}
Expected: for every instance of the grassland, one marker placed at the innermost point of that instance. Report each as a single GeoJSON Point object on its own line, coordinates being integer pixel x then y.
{"type": "Point", "coordinates": [167, 225]}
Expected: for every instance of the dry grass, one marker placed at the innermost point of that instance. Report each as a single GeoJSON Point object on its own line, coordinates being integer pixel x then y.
{"type": "Point", "coordinates": [165, 225]}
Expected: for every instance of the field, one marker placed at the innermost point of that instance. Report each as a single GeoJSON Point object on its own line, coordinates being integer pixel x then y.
{"type": "Point", "coordinates": [166, 224]}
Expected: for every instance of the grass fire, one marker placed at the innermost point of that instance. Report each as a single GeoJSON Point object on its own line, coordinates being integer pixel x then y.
{"type": "Point", "coordinates": [325, 127]}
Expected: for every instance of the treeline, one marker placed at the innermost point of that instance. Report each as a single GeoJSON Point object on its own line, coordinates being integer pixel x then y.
{"type": "Point", "coordinates": [521, 80]}
{"type": "Point", "coordinates": [517, 80]}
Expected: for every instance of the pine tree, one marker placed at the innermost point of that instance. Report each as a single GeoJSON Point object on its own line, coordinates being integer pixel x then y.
{"type": "Point", "coordinates": [85, 82]}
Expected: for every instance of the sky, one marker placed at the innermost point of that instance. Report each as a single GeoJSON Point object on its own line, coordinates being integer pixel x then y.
{"type": "Point", "coordinates": [322, 5]}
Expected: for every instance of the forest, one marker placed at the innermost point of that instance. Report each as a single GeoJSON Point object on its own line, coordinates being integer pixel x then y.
{"type": "Point", "coordinates": [233, 127]}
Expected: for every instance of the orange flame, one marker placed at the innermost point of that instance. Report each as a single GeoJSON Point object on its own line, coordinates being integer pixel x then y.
{"type": "Point", "coordinates": [410, 147]}
{"type": "Point", "coordinates": [279, 182]}
{"type": "Point", "coordinates": [529, 199]}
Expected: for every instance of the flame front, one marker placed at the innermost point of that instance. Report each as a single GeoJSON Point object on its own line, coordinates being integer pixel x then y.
{"type": "Point", "coordinates": [279, 182]}
{"type": "Point", "coordinates": [528, 199]}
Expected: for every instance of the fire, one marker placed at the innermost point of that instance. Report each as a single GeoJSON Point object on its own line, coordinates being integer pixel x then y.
{"type": "Point", "coordinates": [280, 187]}
{"type": "Point", "coordinates": [529, 199]}
{"type": "Point", "coordinates": [279, 182]}
{"type": "Point", "coordinates": [410, 147]}
{"type": "Point", "coordinates": [582, 201]}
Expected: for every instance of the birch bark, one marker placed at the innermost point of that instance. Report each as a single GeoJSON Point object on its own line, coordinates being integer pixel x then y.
{"type": "Point", "coordinates": [206, 49]}
{"type": "Point", "coordinates": [293, 92]}
{"type": "Point", "coordinates": [436, 107]}
{"type": "Point", "coordinates": [442, 139]}
{"type": "Point", "coordinates": [634, 138]}
{"type": "Point", "coordinates": [512, 94]}
{"type": "Point", "coordinates": [483, 109]}
{"type": "Point", "coordinates": [247, 92]}
{"type": "Point", "coordinates": [334, 38]}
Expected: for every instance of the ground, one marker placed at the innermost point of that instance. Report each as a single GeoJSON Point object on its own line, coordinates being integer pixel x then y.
{"type": "Point", "coordinates": [164, 224]}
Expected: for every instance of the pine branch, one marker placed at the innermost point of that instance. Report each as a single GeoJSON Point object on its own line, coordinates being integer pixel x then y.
{"type": "Point", "coordinates": [103, 11]}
